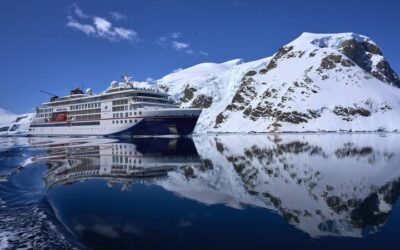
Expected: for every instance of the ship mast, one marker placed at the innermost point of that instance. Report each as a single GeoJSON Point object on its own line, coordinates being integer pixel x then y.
{"type": "Point", "coordinates": [127, 79]}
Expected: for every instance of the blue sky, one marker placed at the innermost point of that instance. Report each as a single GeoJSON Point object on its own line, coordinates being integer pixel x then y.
{"type": "Point", "coordinates": [58, 45]}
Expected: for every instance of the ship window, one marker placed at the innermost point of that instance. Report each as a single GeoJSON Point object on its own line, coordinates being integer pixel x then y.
{"type": "Point", "coordinates": [135, 113]}
{"type": "Point", "coordinates": [126, 114]}
{"type": "Point", "coordinates": [126, 121]}
{"type": "Point", "coordinates": [130, 121]}
{"type": "Point", "coordinates": [113, 122]}
{"type": "Point", "coordinates": [130, 113]}
{"type": "Point", "coordinates": [140, 112]}
{"type": "Point", "coordinates": [135, 121]}
{"type": "Point", "coordinates": [121, 115]}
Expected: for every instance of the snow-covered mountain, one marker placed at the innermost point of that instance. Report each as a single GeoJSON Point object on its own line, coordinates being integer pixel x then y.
{"type": "Point", "coordinates": [318, 82]}
{"type": "Point", "coordinates": [323, 184]}
{"type": "Point", "coordinates": [12, 124]}
{"type": "Point", "coordinates": [6, 116]}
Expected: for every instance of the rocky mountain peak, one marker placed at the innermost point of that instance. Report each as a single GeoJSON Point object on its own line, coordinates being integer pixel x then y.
{"type": "Point", "coordinates": [317, 82]}
{"type": "Point", "coordinates": [360, 49]}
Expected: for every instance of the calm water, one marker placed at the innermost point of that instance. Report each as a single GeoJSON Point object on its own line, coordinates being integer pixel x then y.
{"type": "Point", "coordinates": [304, 191]}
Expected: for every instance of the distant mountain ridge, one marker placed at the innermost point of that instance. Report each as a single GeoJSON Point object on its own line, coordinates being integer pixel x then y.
{"type": "Point", "coordinates": [12, 124]}
{"type": "Point", "coordinates": [318, 82]}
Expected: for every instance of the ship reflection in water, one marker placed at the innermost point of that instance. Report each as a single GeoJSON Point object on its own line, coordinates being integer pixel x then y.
{"type": "Point", "coordinates": [234, 192]}
{"type": "Point", "coordinates": [122, 162]}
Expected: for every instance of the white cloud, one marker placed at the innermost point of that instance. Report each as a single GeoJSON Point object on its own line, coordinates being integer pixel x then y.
{"type": "Point", "coordinates": [97, 26]}
{"type": "Point", "coordinates": [85, 28]}
{"type": "Point", "coordinates": [117, 16]}
{"type": "Point", "coordinates": [161, 40]}
{"type": "Point", "coordinates": [180, 45]}
{"type": "Point", "coordinates": [74, 9]}
{"type": "Point", "coordinates": [149, 79]}
{"type": "Point", "coordinates": [203, 53]}
{"type": "Point", "coordinates": [189, 52]}
{"type": "Point", "coordinates": [102, 25]}
{"type": "Point", "coordinates": [127, 34]}
{"type": "Point", "coordinates": [171, 40]}
{"type": "Point", "coordinates": [176, 35]}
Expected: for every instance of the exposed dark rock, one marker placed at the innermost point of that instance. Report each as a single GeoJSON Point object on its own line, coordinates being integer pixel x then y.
{"type": "Point", "coordinates": [242, 97]}
{"type": "Point", "coordinates": [251, 73]}
{"type": "Point", "coordinates": [164, 88]}
{"type": "Point", "coordinates": [347, 112]}
{"type": "Point", "coordinates": [2, 129]}
{"type": "Point", "coordinates": [330, 61]}
{"type": "Point", "coordinates": [384, 72]}
{"type": "Point", "coordinates": [273, 63]}
{"type": "Point", "coordinates": [188, 94]}
{"type": "Point", "coordinates": [207, 164]}
{"type": "Point", "coordinates": [361, 52]}
{"type": "Point", "coordinates": [202, 101]}
{"type": "Point", "coordinates": [19, 118]}
{"type": "Point", "coordinates": [314, 113]}
{"type": "Point", "coordinates": [307, 79]}
{"type": "Point", "coordinates": [356, 51]}
{"type": "Point", "coordinates": [220, 119]}
{"type": "Point", "coordinates": [346, 63]}
{"type": "Point", "coordinates": [188, 172]}
{"type": "Point", "coordinates": [313, 53]}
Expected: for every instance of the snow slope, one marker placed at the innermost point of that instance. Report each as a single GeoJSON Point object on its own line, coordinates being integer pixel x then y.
{"type": "Point", "coordinates": [318, 82]}
{"type": "Point", "coordinates": [12, 124]}
{"type": "Point", "coordinates": [6, 117]}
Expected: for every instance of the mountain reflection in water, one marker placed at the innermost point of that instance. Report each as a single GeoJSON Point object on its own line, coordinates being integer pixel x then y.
{"type": "Point", "coordinates": [324, 185]}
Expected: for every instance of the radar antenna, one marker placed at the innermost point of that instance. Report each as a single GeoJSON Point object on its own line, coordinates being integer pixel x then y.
{"type": "Point", "coordinates": [126, 78]}
{"type": "Point", "coordinates": [53, 96]}
{"type": "Point", "coordinates": [45, 92]}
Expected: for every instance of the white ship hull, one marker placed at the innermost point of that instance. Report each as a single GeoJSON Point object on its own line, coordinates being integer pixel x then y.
{"type": "Point", "coordinates": [151, 122]}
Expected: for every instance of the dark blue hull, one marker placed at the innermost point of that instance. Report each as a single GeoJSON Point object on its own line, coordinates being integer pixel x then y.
{"type": "Point", "coordinates": [160, 126]}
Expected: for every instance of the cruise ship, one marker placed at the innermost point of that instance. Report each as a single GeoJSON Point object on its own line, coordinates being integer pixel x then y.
{"type": "Point", "coordinates": [123, 110]}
